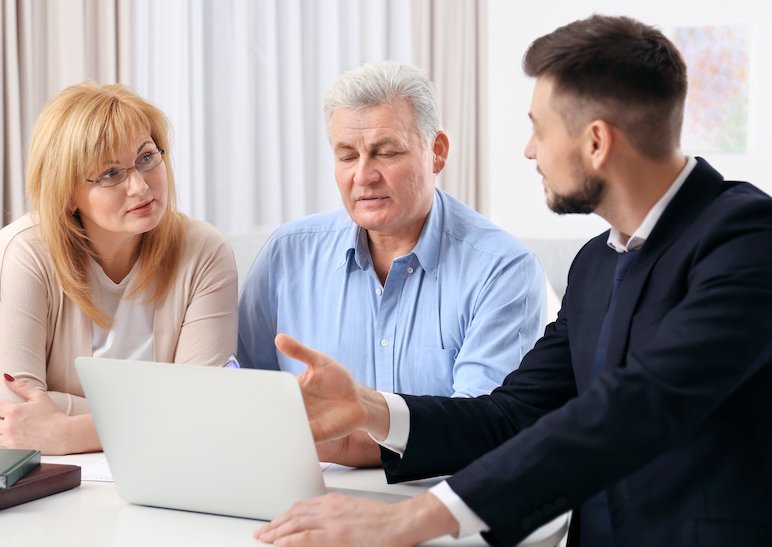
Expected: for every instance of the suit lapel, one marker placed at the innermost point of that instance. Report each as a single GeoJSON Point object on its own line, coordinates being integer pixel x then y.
{"type": "Point", "coordinates": [701, 187]}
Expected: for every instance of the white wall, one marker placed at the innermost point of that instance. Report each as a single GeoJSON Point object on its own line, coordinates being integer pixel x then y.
{"type": "Point", "coordinates": [516, 196]}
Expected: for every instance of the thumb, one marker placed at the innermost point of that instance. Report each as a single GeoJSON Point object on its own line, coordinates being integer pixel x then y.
{"type": "Point", "coordinates": [295, 350]}
{"type": "Point", "coordinates": [20, 388]}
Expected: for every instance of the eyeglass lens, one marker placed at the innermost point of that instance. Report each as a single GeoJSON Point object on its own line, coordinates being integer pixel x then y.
{"type": "Point", "coordinates": [145, 163]}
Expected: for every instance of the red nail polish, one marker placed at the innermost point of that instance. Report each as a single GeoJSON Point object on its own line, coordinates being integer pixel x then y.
{"type": "Point", "coordinates": [8, 377]}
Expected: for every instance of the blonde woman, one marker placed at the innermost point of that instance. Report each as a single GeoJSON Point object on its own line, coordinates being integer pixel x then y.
{"type": "Point", "coordinates": [102, 265]}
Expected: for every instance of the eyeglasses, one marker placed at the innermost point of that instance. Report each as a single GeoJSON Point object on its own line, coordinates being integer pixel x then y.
{"type": "Point", "coordinates": [146, 162]}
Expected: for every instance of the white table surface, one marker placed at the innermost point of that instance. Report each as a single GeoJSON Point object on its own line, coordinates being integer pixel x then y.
{"type": "Point", "coordinates": [94, 515]}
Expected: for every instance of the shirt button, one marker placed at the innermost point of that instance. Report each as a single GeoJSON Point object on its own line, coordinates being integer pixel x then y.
{"type": "Point", "coordinates": [410, 270]}
{"type": "Point", "coordinates": [379, 291]}
{"type": "Point", "coordinates": [384, 342]}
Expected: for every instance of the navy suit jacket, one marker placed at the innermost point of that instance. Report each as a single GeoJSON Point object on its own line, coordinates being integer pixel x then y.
{"type": "Point", "coordinates": [677, 428]}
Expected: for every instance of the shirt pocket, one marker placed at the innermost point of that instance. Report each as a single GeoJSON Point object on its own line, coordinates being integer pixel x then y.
{"type": "Point", "coordinates": [431, 372]}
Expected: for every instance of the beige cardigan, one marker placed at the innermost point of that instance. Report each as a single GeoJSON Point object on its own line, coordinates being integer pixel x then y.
{"type": "Point", "coordinates": [42, 330]}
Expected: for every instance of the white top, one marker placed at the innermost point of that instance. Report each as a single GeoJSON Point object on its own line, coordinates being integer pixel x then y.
{"type": "Point", "coordinates": [130, 336]}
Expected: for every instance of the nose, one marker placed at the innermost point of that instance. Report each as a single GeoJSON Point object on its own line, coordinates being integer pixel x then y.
{"type": "Point", "coordinates": [530, 149]}
{"type": "Point", "coordinates": [135, 183]}
{"type": "Point", "coordinates": [365, 172]}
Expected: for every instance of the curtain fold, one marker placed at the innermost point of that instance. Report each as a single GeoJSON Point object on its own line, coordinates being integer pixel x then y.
{"type": "Point", "coordinates": [46, 46]}
{"type": "Point", "coordinates": [447, 45]}
{"type": "Point", "coordinates": [242, 82]}
{"type": "Point", "coordinates": [11, 116]}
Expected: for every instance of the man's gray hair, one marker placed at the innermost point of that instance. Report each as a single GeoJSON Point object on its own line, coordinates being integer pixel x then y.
{"type": "Point", "coordinates": [375, 84]}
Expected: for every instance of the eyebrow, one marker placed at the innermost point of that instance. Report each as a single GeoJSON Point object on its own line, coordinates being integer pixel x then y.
{"type": "Point", "coordinates": [139, 149]}
{"type": "Point", "coordinates": [534, 121]}
{"type": "Point", "coordinates": [141, 146]}
{"type": "Point", "coordinates": [385, 141]}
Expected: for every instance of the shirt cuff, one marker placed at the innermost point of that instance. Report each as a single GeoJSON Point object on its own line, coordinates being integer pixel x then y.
{"type": "Point", "coordinates": [399, 424]}
{"type": "Point", "coordinates": [468, 522]}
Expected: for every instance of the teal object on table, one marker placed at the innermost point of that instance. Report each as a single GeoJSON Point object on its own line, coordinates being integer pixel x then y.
{"type": "Point", "coordinates": [14, 464]}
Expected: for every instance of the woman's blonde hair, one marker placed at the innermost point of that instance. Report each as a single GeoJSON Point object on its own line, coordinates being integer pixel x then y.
{"type": "Point", "coordinates": [78, 131]}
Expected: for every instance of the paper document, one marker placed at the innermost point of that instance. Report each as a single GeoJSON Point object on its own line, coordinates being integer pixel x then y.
{"type": "Point", "coordinates": [93, 466]}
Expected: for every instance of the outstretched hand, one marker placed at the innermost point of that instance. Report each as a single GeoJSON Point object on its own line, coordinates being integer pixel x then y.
{"type": "Point", "coordinates": [336, 405]}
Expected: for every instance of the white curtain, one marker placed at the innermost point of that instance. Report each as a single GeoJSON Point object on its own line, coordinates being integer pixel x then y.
{"type": "Point", "coordinates": [448, 41]}
{"type": "Point", "coordinates": [46, 46]}
{"type": "Point", "coordinates": [12, 126]}
{"type": "Point", "coordinates": [242, 82]}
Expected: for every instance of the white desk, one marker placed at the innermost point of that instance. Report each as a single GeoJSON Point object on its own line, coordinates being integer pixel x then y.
{"type": "Point", "coordinates": [94, 515]}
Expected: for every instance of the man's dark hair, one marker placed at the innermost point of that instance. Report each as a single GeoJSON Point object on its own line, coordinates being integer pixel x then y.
{"type": "Point", "coordinates": [619, 70]}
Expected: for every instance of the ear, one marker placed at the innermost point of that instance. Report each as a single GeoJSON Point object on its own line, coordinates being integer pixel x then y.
{"type": "Point", "coordinates": [600, 140]}
{"type": "Point", "coordinates": [440, 150]}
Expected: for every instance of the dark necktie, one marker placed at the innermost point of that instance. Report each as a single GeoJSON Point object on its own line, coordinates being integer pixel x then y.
{"type": "Point", "coordinates": [595, 529]}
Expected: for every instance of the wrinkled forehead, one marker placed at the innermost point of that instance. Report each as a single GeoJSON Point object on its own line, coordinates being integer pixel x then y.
{"type": "Point", "coordinates": [372, 124]}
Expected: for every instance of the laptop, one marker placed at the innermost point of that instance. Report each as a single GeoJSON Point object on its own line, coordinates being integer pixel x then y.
{"type": "Point", "coordinates": [210, 439]}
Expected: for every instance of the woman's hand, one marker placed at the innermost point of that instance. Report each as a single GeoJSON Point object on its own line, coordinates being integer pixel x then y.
{"type": "Point", "coordinates": [37, 424]}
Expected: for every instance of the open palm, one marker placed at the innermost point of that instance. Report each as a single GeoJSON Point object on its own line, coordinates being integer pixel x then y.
{"type": "Point", "coordinates": [331, 396]}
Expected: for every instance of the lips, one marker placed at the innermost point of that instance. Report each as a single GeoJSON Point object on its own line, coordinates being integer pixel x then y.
{"type": "Point", "coordinates": [140, 207]}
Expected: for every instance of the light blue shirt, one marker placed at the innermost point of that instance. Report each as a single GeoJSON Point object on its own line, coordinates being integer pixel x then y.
{"type": "Point", "coordinates": [454, 317]}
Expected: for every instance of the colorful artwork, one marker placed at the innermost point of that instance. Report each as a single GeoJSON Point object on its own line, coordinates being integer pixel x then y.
{"type": "Point", "coordinates": [717, 58]}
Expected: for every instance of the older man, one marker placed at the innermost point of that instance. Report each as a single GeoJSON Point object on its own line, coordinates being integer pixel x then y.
{"type": "Point", "coordinates": [416, 292]}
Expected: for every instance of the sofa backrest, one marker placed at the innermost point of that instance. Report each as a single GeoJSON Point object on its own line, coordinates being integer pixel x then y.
{"type": "Point", "coordinates": [555, 256]}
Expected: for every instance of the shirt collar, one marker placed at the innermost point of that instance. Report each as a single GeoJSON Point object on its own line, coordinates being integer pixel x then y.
{"type": "Point", "coordinates": [427, 250]}
{"type": "Point", "coordinates": [641, 234]}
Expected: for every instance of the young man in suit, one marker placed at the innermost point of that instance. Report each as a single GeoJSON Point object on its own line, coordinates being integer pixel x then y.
{"type": "Point", "coordinates": [646, 405]}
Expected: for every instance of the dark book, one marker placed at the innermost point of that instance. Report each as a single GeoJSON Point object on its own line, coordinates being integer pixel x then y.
{"type": "Point", "coordinates": [14, 464]}
{"type": "Point", "coordinates": [47, 479]}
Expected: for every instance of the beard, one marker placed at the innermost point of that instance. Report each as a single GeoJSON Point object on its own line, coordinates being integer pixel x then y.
{"type": "Point", "coordinates": [584, 200]}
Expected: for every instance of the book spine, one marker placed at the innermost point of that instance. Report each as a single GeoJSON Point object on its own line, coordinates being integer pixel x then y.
{"type": "Point", "coordinates": [21, 468]}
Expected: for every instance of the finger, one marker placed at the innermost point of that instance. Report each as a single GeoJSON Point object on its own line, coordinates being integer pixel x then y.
{"type": "Point", "coordinates": [292, 539]}
{"type": "Point", "coordinates": [295, 350]}
{"type": "Point", "coordinates": [20, 388]}
{"type": "Point", "coordinates": [288, 521]}
{"type": "Point", "coordinates": [305, 538]}
{"type": "Point", "coordinates": [272, 532]}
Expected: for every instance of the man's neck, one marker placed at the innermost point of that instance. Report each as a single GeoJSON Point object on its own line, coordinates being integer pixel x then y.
{"type": "Point", "coordinates": [385, 248]}
{"type": "Point", "coordinates": [637, 188]}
